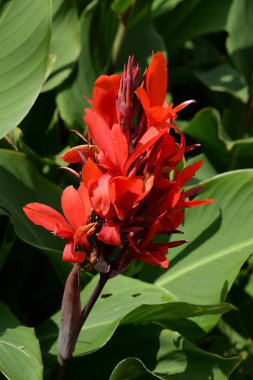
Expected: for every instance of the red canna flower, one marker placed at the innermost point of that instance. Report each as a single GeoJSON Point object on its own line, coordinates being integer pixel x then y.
{"type": "Point", "coordinates": [130, 187]}
{"type": "Point", "coordinates": [73, 227]}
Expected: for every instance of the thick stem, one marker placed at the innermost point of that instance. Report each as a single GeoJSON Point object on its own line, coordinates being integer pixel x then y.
{"type": "Point", "coordinates": [104, 277]}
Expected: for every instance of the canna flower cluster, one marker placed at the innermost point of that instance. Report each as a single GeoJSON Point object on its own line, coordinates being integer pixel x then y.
{"type": "Point", "coordinates": [131, 189]}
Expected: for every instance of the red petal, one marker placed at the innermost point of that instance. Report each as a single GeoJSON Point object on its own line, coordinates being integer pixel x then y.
{"type": "Point", "coordinates": [148, 183]}
{"type": "Point", "coordinates": [177, 243]}
{"type": "Point", "coordinates": [156, 79]}
{"type": "Point", "coordinates": [157, 115]}
{"type": "Point", "coordinates": [151, 232]}
{"type": "Point", "coordinates": [104, 97]}
{"type": "Point", "coordinates": [71, 256]}
{"type": "Point", "coordinates": [72, 156]}
{"type": "Point", "coordinates": [143, 97]}
{"type": "Point", "coordinates": [180, 153]}
{"type": "Point", "coordinates": [171, 221]}
{"type": "Point", "coordinates": [148, 139]}
{"type": "Point", "coordinates": [197, 202]}
{"type": "Point", "coordinates": [90, 172]}
{"type": "Point", "coordinates": [100, 133]}
{"type": "Point", "coordinates": [82, 232]}
{"type": "Point", "coordinates": [47, 217]}
{"type": "Point", "coordinates": [110, 235]}
{"type": "Point", "coordinates": [120, 146]}
{"type": "Point", "coordinates": [124, 192]}
{"type": "Point", "coordinates": [188, 172]}
{"type": "Point", "coordinates": [183, 105]}
{"type": "Point", "coordinates": [72, 207]}
{"type": "Point", "coordinates": [100, 196]}
{"type": "Point", "coordinates": [84, 195]}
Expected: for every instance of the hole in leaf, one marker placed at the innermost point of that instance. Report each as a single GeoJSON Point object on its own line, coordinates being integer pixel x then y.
{"type": "Point", "coordinates": [106, 295]}
{"type": "Point", "coordinates": [136, 295]}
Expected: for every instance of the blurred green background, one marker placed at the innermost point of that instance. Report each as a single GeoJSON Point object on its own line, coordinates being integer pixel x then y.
{"type": "Point", "coordinates": [50, 55]}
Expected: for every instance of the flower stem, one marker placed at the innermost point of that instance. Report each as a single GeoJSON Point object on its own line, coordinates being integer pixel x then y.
{"type": "Point", "coordinates": [104, 277]}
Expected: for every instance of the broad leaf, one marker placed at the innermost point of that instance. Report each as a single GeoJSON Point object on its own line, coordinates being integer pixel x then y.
{"type": "Point", "coordinates": [205, 128]}
{"type": "Point", "coordinates": [220, 242]}
{"type": "Point", "coordinates": [160, 7]}
{"type": "Point", "coordinates": [124, 300]}
{"type": "Point", "coordinates": [98, 26]}
{"type": "Point", "coordinates": [24, 48]}
{"type": "Point", "coordinates": [134, 369]}
{"type": "Point", "coordinates": [192, 18]}
{"type": "Point", "coordinates": [20, 357]}
{"type": "Point", "coordinates": [179, 358]}
{"type": "Point", "coordinates": [22, 184]}
{"type": "Point", "coordinates": [65, 44]}
{"type": "Point", "coordinates": [225, 79]}
{"type": "Point", "coordinates": [225, 154]}
{"type": "Point", "coordinates": [240, 39]}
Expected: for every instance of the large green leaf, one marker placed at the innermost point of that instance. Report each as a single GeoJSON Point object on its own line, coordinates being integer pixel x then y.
{"type": "Point", "coordinates": [98, 26]}
{"type": "Point", "coordinates": [132, 369]}
{"type": "Point", "coordinates": [160, 7]}
{"type": "Point", "coordinates": [205, 128]}
{"type": "Point", "coordinates": [124, 300]}
{"type": "Point", "coordinates": [177, 358]}
{"type": "Point", "coordinates": [180, 359]}
{"type": "Point", "coordinates": [225, 79]}
{"type": "Point", "coordinates": [240, 39]}
{"type": "Point", "coordinates": [24, 48]}
{"type": "Point", "coordinates": [225, 154]}
{"type": "Point", "coordinates": [220, 242]}
{"type": "Point", "coordinates": [65, 44]}
{"type": "Point", "coordinates": [22, 184]}
{"type": "Point", "coordinates": [20, 357]}
{"type": "Point", "coordinates": [192, 18]}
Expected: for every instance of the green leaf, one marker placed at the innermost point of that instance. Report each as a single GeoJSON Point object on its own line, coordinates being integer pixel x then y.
{"type": "Point", "coordinates": [240, 39]}
{"type": "Point", "coordinates": [20, 357]}
{"type": "Point", "coordinates": [241, 152]}
{"type": "Point", "coordinates": [225, 79]}
{"type": "Point", "coordinates": [98, 27]}
{"type": "Point", "coordinates": [22, 184]}
{"type": "Point", "coordinates": [160, 7]}
{"type": "Point", "coordinates": [225, 154]}
{"type": "Point", "coordinates": [192, 18]}
{"type": "Point", "coordinates": [24, 47]}
{"type": "Point", "coordinates": [179, 358]}
{"type": "Point", "coordinates": [65, 44]}
{"type": "Point", "coordinates": [220, 242]}
{"type": "Point", "coordinates": [205, 128]}
{"type": "Point", "coordinates": [120, 6]}
{"type": "Point", "coordinates": [140, 39]}
{"type": "Point", "coordinates": [132, 369]}
{"type": "Point", "coordinates": [124, 300]}
{"type": "Point", "coordinates": [205, 172]}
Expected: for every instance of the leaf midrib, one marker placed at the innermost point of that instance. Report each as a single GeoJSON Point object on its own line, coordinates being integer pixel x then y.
{"type": "Point", "coordinates": [203, 262]}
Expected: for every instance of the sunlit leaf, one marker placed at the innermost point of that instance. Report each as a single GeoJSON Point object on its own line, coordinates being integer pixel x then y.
{"type": "Point", "coordinates": [20, 357]}
{"type": "Point", "coordinates": [65, 44]}
{"type": "Point", "coordinates": [24, 51]}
